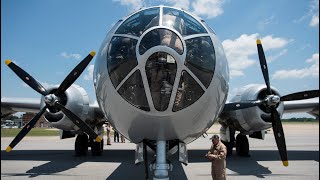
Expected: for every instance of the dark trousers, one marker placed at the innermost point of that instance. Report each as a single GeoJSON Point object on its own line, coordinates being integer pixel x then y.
{"type": "Point", "coordinates": [116, 136]}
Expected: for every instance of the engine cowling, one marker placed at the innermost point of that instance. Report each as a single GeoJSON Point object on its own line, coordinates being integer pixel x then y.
{"type": "Point", "coordinates": [253, 119]}
{"type": "Point", "coordinates": [76, 100]}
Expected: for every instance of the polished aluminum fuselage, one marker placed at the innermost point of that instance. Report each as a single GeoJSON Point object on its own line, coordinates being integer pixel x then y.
{"type": "Point", "coordinates": [186, 124]}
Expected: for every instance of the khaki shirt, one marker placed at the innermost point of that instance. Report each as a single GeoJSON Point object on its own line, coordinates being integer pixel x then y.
{"type": "Point", "coordinates": [217, 155]}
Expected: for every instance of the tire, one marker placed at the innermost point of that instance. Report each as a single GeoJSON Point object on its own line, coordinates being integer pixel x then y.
{"type": "Point", "coordinates": [97, 148]}
{"type": "Point", "coordinates": [242, 145]}
{"type": "Point", "coordinates": [81, 145]}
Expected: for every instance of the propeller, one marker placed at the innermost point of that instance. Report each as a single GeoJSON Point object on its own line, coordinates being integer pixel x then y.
{"type": "Point", "coordinates": [52, 100]}
{"type": "Point", "coordinates": [271, 101]}
{"type": "Point", "coordinates": [25, 129]}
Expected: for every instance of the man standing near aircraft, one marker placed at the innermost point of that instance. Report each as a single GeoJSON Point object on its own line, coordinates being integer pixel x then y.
{"type": "Point", "coordinates": [217, 154]}
{"type": "Point", "coordinates": [115, 135]}
{"type": "Point", "coordinates": [108, 134]}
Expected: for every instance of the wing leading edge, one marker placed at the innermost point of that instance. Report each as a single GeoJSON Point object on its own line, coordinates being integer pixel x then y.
{"type": "Point", "coordinates": [12, 105]}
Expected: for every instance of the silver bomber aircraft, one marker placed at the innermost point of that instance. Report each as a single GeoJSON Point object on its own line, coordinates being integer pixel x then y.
{"type": "Point", "coordinates": [161, 79]}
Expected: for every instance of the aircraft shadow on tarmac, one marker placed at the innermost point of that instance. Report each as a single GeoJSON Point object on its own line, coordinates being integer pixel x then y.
{"type": "Point", "coordinates": [62, 160]}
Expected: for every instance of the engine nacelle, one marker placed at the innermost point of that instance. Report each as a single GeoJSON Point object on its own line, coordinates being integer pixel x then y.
{"type": "Point", "coordinates": [76, 100]}
{"type": "Point", "coordinates": [253, 119]}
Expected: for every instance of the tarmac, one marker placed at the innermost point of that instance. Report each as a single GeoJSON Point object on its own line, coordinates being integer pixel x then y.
{"type": "Point", "coordinates": [52, 158]}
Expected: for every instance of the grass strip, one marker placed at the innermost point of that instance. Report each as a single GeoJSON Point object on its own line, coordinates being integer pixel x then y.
{"type": "Point", "coordinates": [34, 132]}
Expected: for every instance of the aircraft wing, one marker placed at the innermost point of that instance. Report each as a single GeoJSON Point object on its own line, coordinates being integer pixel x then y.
{"type": "Point", "coordinates": [12, 105]}
{"type": "Point", "coordinates": [310, 106]}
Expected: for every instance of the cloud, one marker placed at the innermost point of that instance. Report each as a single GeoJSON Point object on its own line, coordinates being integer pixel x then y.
{"type": "Point", "coordinates": [235, 73]}
{"type": "Point", "coordinates": [277, 56]}
{"type": "Point", "coordinates": [44, 84]}
{"type": "Point", "coordinates": [205, 8]}
{"type": "Point", "coordinates": [239, 51]}
{"type": "Point", "coordinates": [236, 91]}
{"type": "Point", "coordinates": [70, 56]}
{"type": "Point", "coordinates": [184, 4]}
{"type": "Point", "coordinates": [208, 8]}
{"type": "Point", "coordinates": [313, 59]}
{"type": "Point", "coordinates": [47, 85]}
{"type": "Point", "coordinates": [311, 71]}
{"type": "Point", "coordinates": [313, 13]}
{"type": "Point", "coordinates": [89, 75]}
{"type": "Point", "coordinates": [314, 21]}
{"type": "Point", "coordinates": [133, 5]}
{"type": "Point", "coordinates": [270, 20]}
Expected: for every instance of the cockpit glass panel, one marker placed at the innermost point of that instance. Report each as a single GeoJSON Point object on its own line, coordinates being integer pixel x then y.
{"type": "Point", "coordinates": [121, 58]}
{"type": "Point", "coordinates": [133, 91]}
{"type": "Point", "coordinates": [208, 27]}
{"type": "Point", "coordinates": [162, 37]}
{"type": "Point", "coordinates": [182, 22]}
{"type": "Point", "coordinates": [201, 58]}
{"type": "Point", "coordinates": [139, 22]}
{"type": "Point", "coordinates": [161, 69]}
{"type": "Point", "coordinates": [189, 91]}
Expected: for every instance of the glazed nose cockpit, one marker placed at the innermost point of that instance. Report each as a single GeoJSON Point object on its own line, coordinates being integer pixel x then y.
{"type": "Point", "coordinates": [161, 59]}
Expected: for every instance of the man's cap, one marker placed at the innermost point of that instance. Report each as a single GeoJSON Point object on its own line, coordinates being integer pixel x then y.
{"type": "Point", "coordinates": [215, 136]}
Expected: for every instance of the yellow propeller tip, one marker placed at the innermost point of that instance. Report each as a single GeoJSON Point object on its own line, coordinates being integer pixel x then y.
{"type": "Point", "coordinates": [8, 149]}
{"type": "Point", "coordinates": [285, 163]}
{"type": "Point", "coordinates": [93, 53]}
{"type": "Point", "coordinates": [258, 41]}
{"type": "Point", "coordinates": [98, 139]}
{"type": "Point", "coordinates": [7, 61]}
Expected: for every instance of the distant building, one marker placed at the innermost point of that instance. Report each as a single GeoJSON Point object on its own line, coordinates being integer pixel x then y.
{"type": "Point", "coordinates": [42, 123]}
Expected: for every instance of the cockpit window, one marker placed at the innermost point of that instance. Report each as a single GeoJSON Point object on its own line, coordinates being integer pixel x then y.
{"type": "Point", "coordinates": [182, 22]}
{"type": "Point", "coordinates": [121, 58]}
{"type": "Point", "coordinates": [133, 92]}
{"type": "Point", "coordinates": [201, 58]}
{"type": "Point", "coordinates": [208, 27]}
{"type": "Point", "coordinates": [161, 69]}
{"type": "Point", "coordinates": [163, 37]}
{"type": "Point", "coordinates": [189, 91]}
{"type": "Point", "coordinates": [138, 23]}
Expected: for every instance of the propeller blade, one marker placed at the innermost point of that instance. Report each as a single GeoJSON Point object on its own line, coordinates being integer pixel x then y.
{"type": "Point", "coordinates": [300, 95]}
{"type": "Point", "coordinates": [241, 105]}
{"type": "Point", "coordinates": [34, 84]}
{"type": "Point", "coordinates": [279, 135]}
{"type": "Point", "coordinates": [77, 121]}
{"type": "Point", "coordinates": [25, 129]}
{"type": "Point", "coordinates": [264, 66]}
{"type": "Point", "coordinates": [74, 74]}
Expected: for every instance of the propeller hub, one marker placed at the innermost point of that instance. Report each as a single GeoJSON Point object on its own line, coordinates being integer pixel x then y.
{"type": "Point", "coordinates": [50, 99]}
{"type": "Point", "coordinates": [272, 100]}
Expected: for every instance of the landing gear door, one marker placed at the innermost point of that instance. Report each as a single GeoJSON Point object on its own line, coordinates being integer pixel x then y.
{"type": "Point", "coordinates": [183, 153]}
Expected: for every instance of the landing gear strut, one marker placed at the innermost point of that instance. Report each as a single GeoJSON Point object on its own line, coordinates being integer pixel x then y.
{"type": "Point", "coordinates": [161, 167]}
{"type": "Point", "coordinates": [231, 143]}
{"type": "Point", "coordinates": [242, 145]}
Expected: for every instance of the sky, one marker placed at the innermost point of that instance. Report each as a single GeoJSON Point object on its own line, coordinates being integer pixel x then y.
{"type": "Point", "coordinates": [49, 38]}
